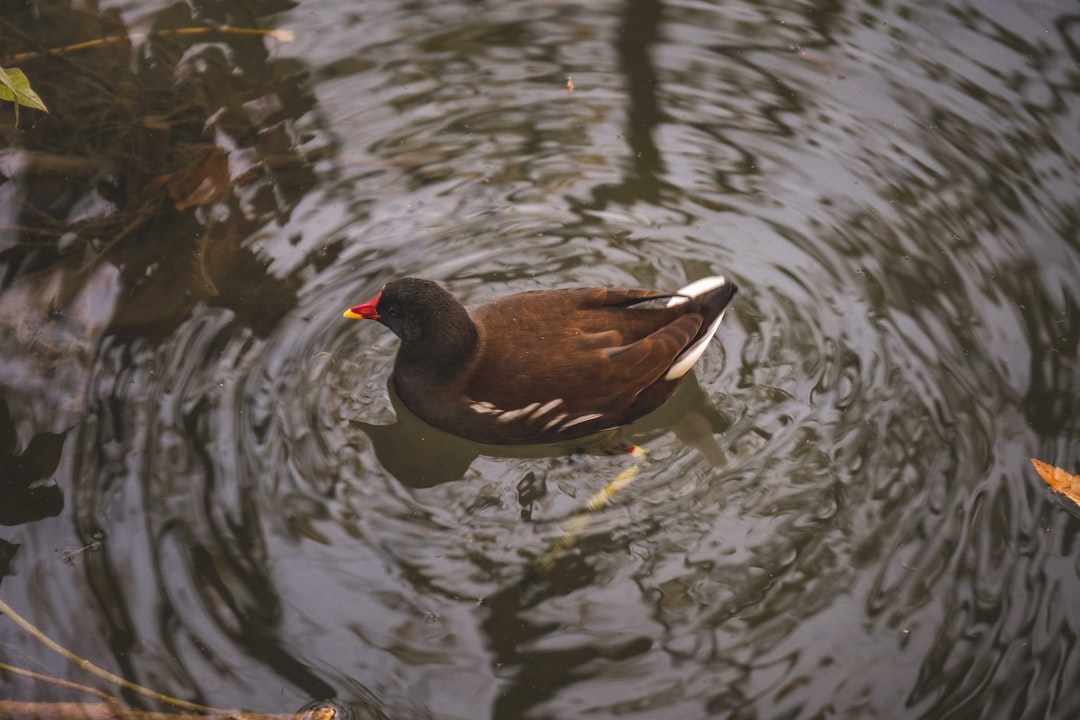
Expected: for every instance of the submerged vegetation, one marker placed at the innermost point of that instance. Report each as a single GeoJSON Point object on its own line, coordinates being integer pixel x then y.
{"type": "Point", "coordinates": [164, 149]}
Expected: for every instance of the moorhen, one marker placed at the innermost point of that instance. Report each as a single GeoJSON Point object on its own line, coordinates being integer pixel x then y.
{"type": "Point", "coordinates": [546, 365]}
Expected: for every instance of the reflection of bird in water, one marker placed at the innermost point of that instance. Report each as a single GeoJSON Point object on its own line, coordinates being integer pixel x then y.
{"type": "Point", "coordinates": [421, 456]}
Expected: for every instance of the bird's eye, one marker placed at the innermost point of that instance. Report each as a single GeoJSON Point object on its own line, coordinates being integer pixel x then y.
{"type": "Point", "coordinates": [392, 312]}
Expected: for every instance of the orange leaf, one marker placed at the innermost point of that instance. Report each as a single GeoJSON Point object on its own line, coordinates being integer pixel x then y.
{"type": "Point", "coordinates": [1059, 480]}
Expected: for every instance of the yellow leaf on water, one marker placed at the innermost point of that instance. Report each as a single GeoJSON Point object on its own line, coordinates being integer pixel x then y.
{"type": "Point", "coordinates": [1059, 481]}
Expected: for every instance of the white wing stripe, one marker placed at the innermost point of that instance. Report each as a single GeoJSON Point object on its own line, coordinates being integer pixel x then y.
{"type": "Point", "coordinates": [555, 421]}
{"type": "Point", "coordinates": [579, 420]}
{"type": "Point", "coordinates": [546, 408]}
{"type": "Point", "coordinates": [510, 415]}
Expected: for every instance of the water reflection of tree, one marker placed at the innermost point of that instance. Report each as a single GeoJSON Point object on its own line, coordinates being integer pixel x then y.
{"type": "Point", "coordinates": [161, 159]}
{"type": "Point", "coordinates": [22, 496]}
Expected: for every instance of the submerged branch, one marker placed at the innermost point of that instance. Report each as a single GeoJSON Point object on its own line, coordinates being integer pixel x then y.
{"type": "Point", "coordinates": [102, 673]}
{"type": "Point", "coordinates": [279, 35]}
{"type": "Point", "coordinates": [57, 681]}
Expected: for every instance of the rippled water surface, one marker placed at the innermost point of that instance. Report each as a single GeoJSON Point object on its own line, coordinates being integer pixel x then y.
{"type": "Point", "coordinates": [211, 491]}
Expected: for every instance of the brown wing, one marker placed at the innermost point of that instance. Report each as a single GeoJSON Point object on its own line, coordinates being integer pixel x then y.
{"type": "Point", "coordinates": [593, 350]}
{"type": "Point", "coordinates": [645, 361]}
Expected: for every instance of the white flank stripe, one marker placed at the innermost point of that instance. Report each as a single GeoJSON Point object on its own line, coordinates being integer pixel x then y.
{"type": "Point", "coordinates": [546, 408]}
{"type": "Point", "coordinates": [483, 407]}
{"type": "Point", "coordinates": [579, 420]}
{"type": "Point", "coordinates": [515, 414]}
{"type": "Point", "coordinates": [698, 287]}
{"type": "Point", "coordinates": [555, 420]}
{"type": "Point", "coordinates": [693, 353]}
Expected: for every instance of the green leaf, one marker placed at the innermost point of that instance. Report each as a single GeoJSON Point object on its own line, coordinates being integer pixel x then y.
{"type": "Point", "coordinates": [15, 87]}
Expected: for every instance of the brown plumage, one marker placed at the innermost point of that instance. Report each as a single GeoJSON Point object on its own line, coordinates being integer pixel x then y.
{"type": "Point", "coordinates": [546, 365]}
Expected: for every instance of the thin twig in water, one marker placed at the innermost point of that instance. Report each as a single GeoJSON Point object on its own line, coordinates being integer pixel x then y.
{"type": "Point", "coordinates": [102, 673]}
{"type": "Point", "coordinates": [61, 682]}
{"type": "Point", "coordinates": [66, 557]}
{"type": "Point", "coordinates": [807, 56]}
{"type": "Point", "coordinates": [279, 35]}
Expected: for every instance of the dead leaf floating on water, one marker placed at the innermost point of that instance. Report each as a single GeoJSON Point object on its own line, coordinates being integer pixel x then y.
{"type": "Point", "coordinates": [204, 181]}
{"type": "Point", "coordinates": [1059, 481]}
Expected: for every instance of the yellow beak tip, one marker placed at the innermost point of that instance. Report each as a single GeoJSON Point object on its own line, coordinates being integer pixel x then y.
{"type": "Point", "coordinates": [351, 315]}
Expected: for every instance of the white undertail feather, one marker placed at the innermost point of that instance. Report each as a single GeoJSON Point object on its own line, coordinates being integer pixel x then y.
{"type": "Point", "coordinates": [692, 354]}
{"type": "Point", "coordinates": [698, 287]}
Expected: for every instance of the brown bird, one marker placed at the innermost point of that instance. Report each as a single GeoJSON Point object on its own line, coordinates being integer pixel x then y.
{"type": "Point", "coordinates": [546, 365]}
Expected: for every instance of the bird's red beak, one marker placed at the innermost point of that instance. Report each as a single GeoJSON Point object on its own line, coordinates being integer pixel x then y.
{"type": "Point", "coordinates": [366, 311]}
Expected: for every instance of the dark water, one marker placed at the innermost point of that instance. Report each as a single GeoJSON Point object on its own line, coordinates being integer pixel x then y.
{"type": "Point", "coordinates": [842, 521]}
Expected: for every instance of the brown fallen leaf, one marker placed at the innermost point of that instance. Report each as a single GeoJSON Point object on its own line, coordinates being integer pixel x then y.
{"type": "Point", "coordinates": [1059, 481]}
{"type": "Point", "coordinates": [203, 181]}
